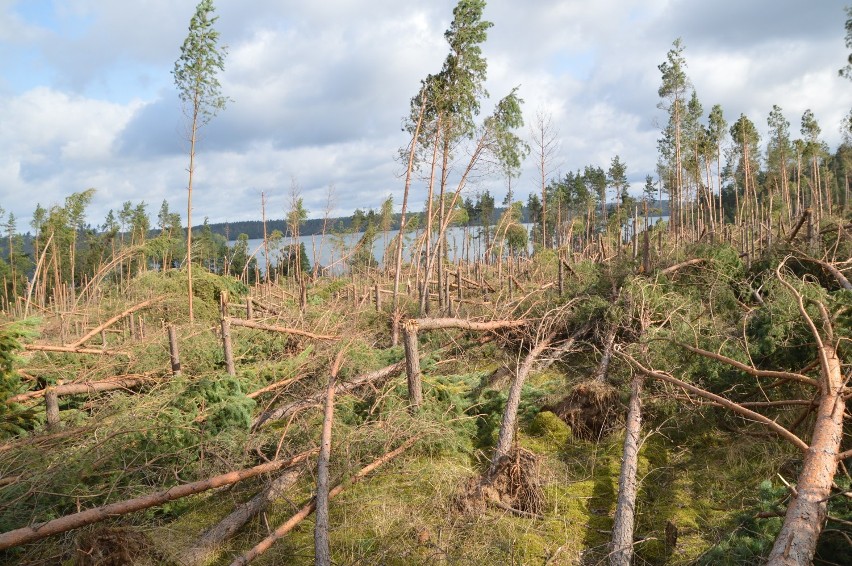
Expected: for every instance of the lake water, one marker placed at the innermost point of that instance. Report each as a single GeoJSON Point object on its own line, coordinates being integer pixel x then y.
{"type": "Point", "coordinates": [332, 251]}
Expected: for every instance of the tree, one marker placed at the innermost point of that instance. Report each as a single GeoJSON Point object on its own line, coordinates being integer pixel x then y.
{"type": "Point", "coordinates": [195, 74]}
{"type": "Point", "coordinates": [778, 152]}
{"type": "Point", "coordinates": [717, 128]}
{"type": "Point", "coordinates": [545, 139]}
{"type": "Point", "coordinates": [673, 92]}
{"type": "Point", "coordinates": [746, 140]}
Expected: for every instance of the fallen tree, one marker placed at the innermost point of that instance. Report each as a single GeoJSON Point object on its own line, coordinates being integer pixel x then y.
{"type": "Point", "coordinates": [305, 511]}
{"type": "Point", "coordinates": [36, 532]}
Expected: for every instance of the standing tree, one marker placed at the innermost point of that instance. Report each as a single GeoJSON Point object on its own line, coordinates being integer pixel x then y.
{"type": "Point", "coordinates": [847, 70]}
{"type": "Point", "coordinates": [545, 138]}
{"type": "Point", "coordinates": [672, 91]}
{"type": "Point", "coordinates": [195, 72]}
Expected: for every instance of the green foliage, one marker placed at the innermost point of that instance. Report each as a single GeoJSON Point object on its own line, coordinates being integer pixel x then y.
{"type": "Point", "coordinates": [201, 59]}
{"type": "Point", "coordinates": [14, 418]}
{"type": "Point", "coordinates": [221, 401]}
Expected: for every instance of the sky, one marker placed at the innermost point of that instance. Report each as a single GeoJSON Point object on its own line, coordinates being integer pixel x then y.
{"type": "Point", "coordinates": [318, 92]}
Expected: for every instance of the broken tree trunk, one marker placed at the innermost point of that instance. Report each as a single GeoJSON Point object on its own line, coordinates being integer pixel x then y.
{"type": "Point", "coordinates": [113, 320]}
{"type": "Point", "coordinates": [123, 382]}
{"type": "Point", "coordinates": [606, 357]}
{"type": "Point", "coordinates": [72, 350]}
{"type": "Point", "coordinates": [51, 409]}
{"type": "Point", "coordinates": [510, 413]}
{"type": "Point", "coordinates": [76, 520]}
{"type": "Point", "coordinates": [282, 329]}
{"type": "Point", "coordinates": [412, 363]}
{"type": "Point", "coordinates": [207, 547]}
{"type": "Point", "coordinates": [174, 355]}
{"type": "Point", "coordinates": [305, 511]}
{"type": "Point", "coordinates": [806, 514]}
{"type": "Point", "coordinates": [625, 508]}
{"type": "Point", "coordinates": [322, 553]}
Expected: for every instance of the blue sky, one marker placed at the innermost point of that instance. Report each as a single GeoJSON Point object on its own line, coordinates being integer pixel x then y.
{"type": "Point", "coordinates": [319, 91]}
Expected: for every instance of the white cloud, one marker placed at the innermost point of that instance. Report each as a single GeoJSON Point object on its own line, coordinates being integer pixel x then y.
{"type": "Point", "coordinates": [319, 91]}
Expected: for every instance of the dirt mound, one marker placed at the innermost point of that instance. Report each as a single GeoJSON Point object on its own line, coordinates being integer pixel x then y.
{"type": "Point", "coordinates": [112, 547]}
{"type": "Point", "coordinates": [514, 485]}
{"type": "Point", "coordinates": [591, 410]}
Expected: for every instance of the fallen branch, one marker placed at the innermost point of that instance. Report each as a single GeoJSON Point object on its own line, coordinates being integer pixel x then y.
{"type": "Point", "coordinates": [677, 266]}
{"type": "Point", "coordinates": [113, 320]}
{"type": "Point", "coordinates": [25, 535]}
{"type": "Point", "coordinates": [305, 511]}
{"type": "Point", "coordinates": [787, 375]}
{"type": "Point", "coordinates": [737, 408]}
{"type": "Point", "coordinates": [281, 329]}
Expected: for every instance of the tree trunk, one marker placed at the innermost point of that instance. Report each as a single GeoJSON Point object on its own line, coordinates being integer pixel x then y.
{"type": "Point", "coordinates": [174, 355]}
{"type": "Point", "coordinates": [803, 523]}
{"type": "Point", "coordinates": [510, 413]}
{"type": "Point", "coordinates": [36, 532]}
{"type": "Point", "coordinates": [322, 553]}
{"type": "Point", "coordinates": [51, 409]}
{"type": "Point", "coordinates": [625, 508]}
{"type": "Point", "coordinates": [412, 363]}
{"type": "Point", "coordinates": [206, 548]}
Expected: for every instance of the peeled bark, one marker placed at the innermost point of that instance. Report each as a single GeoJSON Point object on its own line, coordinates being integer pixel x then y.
{"type": "Point", "coordinates": [806, 514]}
{"type": "Point", "coordinates": [124, 382]}
{"type": "Point", "coordinates": [625, 507]}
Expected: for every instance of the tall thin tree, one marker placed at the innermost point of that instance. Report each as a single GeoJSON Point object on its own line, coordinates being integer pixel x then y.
{"type": "Point", "coordinates": [196, 78]}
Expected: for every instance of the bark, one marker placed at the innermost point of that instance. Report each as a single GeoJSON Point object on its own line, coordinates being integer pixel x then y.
{"type": "Point", "coordinates": [76, 520]}
{"type": "Point", "coordinates": [412, 363]}
{"type": "Point", "coordinates": [510, 413]}
{"type": "Point", "coordinates": [282, 329]}
{"type": "Point", "coordinates": [806, 514]}
{"type": "Point", "coordinates": [51, 409]}
{"type": "Point", "coordinates": [313, 400]}
{"type": "Point", "coordinates": [207, 547]}
{"type": "Point", "coordinates": [625, 507]}
{"type": "Point", "coordinates": [303, 513]}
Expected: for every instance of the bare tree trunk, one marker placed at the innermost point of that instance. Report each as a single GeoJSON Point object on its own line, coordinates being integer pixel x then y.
{"type": "Point", "coordinates": [36, 532]}
{"type": "Point", "coordinates": [625, 508]}
{"type": "Point", "coordinates": [322, 553]}
{"type": "Point", "coordinates": [51, 409]}
{"type": "Point", "coordinates": [510, 413]}
{"type": "Point", "coordinates": [206, 548]}
{"type": "Point", "coordinates": [803, 523]}
{"type": "Point", "coordinates": [174, 355]}
{"type": "Point", "coordinates": [412, 363]}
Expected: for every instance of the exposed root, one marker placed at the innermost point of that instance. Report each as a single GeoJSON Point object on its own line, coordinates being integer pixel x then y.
{"type": "Point", "coordinates": [590, 410]}
{"type": "Point", "coordinates": [112, 547]}
{"type": "Point", "coordinates": [514, 485]}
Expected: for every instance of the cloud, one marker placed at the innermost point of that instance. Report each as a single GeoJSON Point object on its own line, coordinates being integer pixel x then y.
{"type": "Point", "coordinates": [320, 89]}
